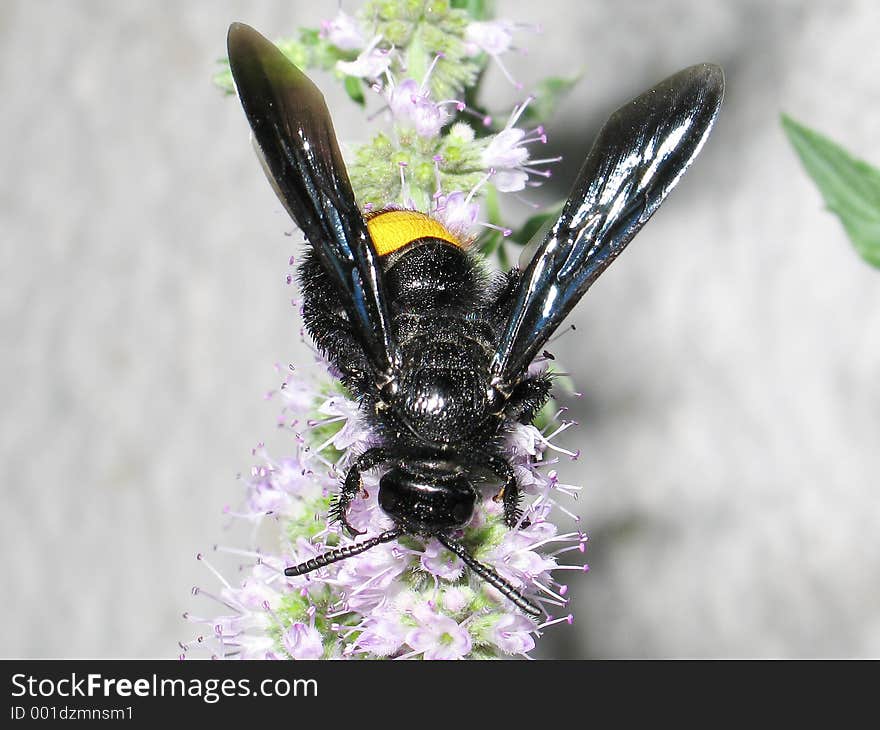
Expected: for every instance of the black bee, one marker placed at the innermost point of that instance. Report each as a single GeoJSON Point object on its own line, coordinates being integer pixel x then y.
{"type": "Point", "coordinates": [436, 352]}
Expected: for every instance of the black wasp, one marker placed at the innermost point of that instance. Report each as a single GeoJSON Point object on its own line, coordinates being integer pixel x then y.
{"type": "Point", "coordinates": [436, 352]}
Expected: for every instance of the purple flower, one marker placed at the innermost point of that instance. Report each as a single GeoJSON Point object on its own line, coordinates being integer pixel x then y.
{"type": "Point", "coordinates": [456, 599]}
{"type": "Point", "coordinates": [507, 155]}
{"type": "Point", "coordinates": [493, 37]}
{"type": "Point", "coordinates": [371, 64]}
{"type": "Point", "coordinates": [297, 393]}
{"type": "Point", "coordinates": [458, 213]}
{"type": "Point", "coordinates": [340, 409]}
{"type": "Point", "coordinates": [265, 497]}
{"type": "Point", "coordinates": [278, 487]}
{"type": "Point", "coordinates": [242, 632]}
{"type": "Point", "coordinates": [343, 32]}
{"type": "Point", "coordinates": [303, 642]}
{"type": "Point", "coordinates": [525, 439]}
{"type": "Point", "coordinates": [513, 634]}
{"type": "Point", "coordinates": [438, 561]}
{"type": "Point", "coordinates": [383, 632]}
{"type": "Point", "coordinates": [412, 108]}
{"type": "Point", "coordinates": [439, 637]}
{"type": "Point", "coordinates": [368, 579]}
{"type": "Point", "coordinates": [506, 150]}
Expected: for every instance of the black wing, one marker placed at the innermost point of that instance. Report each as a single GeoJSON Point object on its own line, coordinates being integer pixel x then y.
{"type": "Point", "coordinates": [638, 157]}
{"type": "Point", "coordinates": [294, 133]}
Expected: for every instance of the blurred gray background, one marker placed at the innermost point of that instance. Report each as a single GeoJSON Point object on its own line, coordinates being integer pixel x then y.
{"type": "Point", "coordinates": [730, 361]}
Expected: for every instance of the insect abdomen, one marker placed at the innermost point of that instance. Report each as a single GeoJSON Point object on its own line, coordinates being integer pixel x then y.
{"type": "Point", "coordinates": [391, 230]}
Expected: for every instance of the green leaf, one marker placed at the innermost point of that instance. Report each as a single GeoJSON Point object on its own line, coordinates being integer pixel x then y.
{"type": "Point", "coordinates": [309, 36]}
{"type": "Point", "coordinates": [488, 243]}
{"type": "Point", "coordinates": [536, 223]}
{"type": "Point", "coordinates": [477, 9]}
{"type": "Point", "coordinates": [850, 187]}
{"type": "Point", "coordinates": [492, 241]}
{"type": "Point", "coordinates": [223, 78]}
{"type": "Point", "coordinates": [355, 90]}
{"type": "Point", "coordinates": [549, 94]}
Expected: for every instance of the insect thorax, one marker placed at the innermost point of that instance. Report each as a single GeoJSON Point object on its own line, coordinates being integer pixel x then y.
{"type": "Point", "coordinates": [431, 274]}
{"type": "Point", "coordinates": [437, 293]}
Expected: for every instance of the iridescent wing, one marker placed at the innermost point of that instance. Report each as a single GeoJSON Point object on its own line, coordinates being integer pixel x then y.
{"type": "Point", "coordinates": [294, 134]}
{"type": "Point", "coordinates": [638, 157]}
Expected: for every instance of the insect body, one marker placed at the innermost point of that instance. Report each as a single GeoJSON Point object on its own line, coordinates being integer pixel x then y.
{"type": "Point", "coordinates": [437, 354]}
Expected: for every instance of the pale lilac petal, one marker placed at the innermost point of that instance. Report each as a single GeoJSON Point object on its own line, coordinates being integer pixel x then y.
{"type": "Point", "coordinates": [298, 395]}
{"type": "Point", "coordinates": [384, 632]}
{"type": "Point", "coordinates": [440, 638]}
{"type": "Point", "coordinates": [256, 647]}
{"type": "Point", "coordinates": [510, 181]}
{"type": "Point", "coordinates": [343, 32]}
{"type": "Point", "coordinates": [371, 64]}
{"type": "Point", "coordinates": [513, 634]}
{"type": "Point", "coordinates": [490, 36]}
{"type": "Point", "coordinates": [401, 98]}
{"type": "Point", "coordinates": [455, 599]}
{"type": "Point", "coordinates": [303, 642]}
{"type": "Point", "coordinates": [265, 498]}
{"type": "Point", "coordinates": [505, 150]}
{"type": "Point", "coordinates": [438, 561]}
{"type": "Point", "coordinates": [354, 431]}
{"type": "Point", "coordinates": [411, 108]}
{"type": "Point", "coordinates": [525, 439]}
{"type": "Point", "coordinates": [256, 594]}
{"type": "Point", "coordinates": [457, 213]}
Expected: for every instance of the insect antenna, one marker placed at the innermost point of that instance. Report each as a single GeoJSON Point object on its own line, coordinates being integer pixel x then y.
{"type": "Point", "coordinates": [490, 576]}
{"type": "Point", "coordinates": [333, 556]}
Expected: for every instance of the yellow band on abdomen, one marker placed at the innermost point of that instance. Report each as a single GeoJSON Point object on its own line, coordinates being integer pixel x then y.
{"type": "Point", "coordinates": [393, 229]}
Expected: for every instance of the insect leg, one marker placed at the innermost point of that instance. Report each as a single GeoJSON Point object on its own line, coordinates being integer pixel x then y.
{"type": "Point", "coordinates": [352, 485]}
{"type": "Point", "coordinates": [325, 320]}
{"type": "Point", "coordinates": [528, 398]}
{"type": "Point", "coordinates": [510, 492]}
